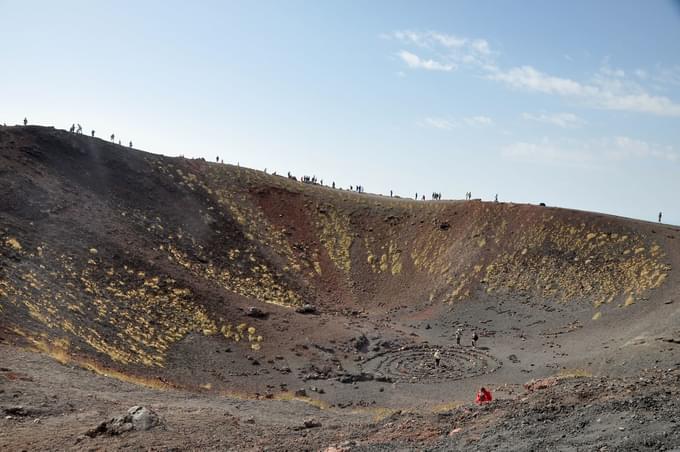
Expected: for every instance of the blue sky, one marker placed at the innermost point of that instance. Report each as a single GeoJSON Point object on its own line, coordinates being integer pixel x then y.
{"type": "Point", "coordinates": [575, 104]}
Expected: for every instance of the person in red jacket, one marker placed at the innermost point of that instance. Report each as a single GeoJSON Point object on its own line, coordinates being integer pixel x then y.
{"type": "Point", "coordinates": [483, 396]}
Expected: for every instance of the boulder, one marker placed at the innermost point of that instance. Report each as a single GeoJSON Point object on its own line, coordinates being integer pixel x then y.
{"type": "Point", "coordinates": [306, 309]}
{"type": "Point", "coordinates": [138, 418]}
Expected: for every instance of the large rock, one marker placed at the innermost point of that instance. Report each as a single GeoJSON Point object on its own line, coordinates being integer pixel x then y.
{"type": "Point", "coordinates": [137, 418]}
{"type": "Point", "coordinates": [306, 309]}
{"type": "Point", "coordinates": [142, 418]}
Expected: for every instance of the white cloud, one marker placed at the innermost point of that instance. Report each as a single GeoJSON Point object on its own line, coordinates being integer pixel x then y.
{"type": "Point", "coordinates": [565, 120]}
{"type": "Point", "coordinates": [440, 123]}
{"type": "Point", "coordinates": [446, 40]}
{"type": "Point", "coordinates": [526, 77]}
{"type": "Point", "coordinates": [599, 151]}
{"type": "Point", "coordinates": [610, 88]}
{"type": "Point", "coordinates": [621, 148]}
{"type": "Point", "coordinates": [452, 123]}
{"type": "Point", "coordinates": [477, 121]}
{"type": "Point", "coordinates": [445, 49]}
{"type": "Point", "coordinates": [415, 62]}
{"type": "Point", "coordinates": [604, 92]}
{"type": "Point", "coordinates": [547, 152]}
{"type": "Point", "coordinates": [481, 46]}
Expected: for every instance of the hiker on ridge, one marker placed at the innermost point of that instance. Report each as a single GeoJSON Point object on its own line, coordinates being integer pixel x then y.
{"type": "Point", "coordinates": [92, 133]}
{"type": "Point", "coordinates": [79, 129]}
{"type": "Point", "coordinates": [660, 214]}
{"type": "Point", "coordinates": [25, 121]}
{"type": "Point", "coordinates": [113, 137]}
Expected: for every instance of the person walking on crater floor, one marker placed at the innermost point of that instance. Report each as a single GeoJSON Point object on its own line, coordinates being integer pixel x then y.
{"type": "Point", "coordinates": [437, 357]}
{"type": "Point", "coordinates": [459, 333]}
{"type": "Point", "coordinates": [475, 338]}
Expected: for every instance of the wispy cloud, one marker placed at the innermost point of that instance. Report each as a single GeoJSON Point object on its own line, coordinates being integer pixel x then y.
{"type": "Point", "coordinates": [415, 62]}
{"type": "Point", "coordinates": [452, 123]}
{"type": "Point", "coordinates": [609, 88]}
{"type": "Point", "coordinates": [587, 153]}
{"type": "Point", "coordinates": [565, 120]}
{"type": "Point", "coordinates": [444, 50]}
{"type": "Point", "coordinates": [477, 121]}
{"type": "Point", "coordinates": [622, 148]}
{"type": "Point", "coordinates": [606, 90]}
{"type": "Point", "coordinates": [547, 151]}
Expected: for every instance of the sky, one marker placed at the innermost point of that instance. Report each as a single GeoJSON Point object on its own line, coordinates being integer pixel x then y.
{"type": "Point", "coordinates": [574, 104]}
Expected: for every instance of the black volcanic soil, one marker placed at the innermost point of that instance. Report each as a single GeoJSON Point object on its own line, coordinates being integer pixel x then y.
{"type": "Point", "coordinates": [128, 278]}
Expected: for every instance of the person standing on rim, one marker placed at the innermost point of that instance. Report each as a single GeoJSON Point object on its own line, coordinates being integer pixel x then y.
{"type": "Point", "coordinates": [660, 214]}
{"type": "Point", "coordinates": [25, 122]}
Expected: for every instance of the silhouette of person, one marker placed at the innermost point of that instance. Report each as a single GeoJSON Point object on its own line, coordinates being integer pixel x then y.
{"type": "Point", "coordinates": [660, 214]}
{"type": "Point", "coordinates": [333, 184]}
{"type": "Point", "coordinates": [495, 199]}
{"type": "Point", "coordinates": [217, 159]}
{"type": "Point", "coordinates": [130, 143]}
{"type": "Point", "coordinates": [73, 128]}
{"type": "Point", "coordinates": [416, 196]}
{"type": "Point", "coordinates": [93, 133]}
{"type": "Point", "coordinates": [80, 129]}
{"type": "Point", "coordinates": [113, 137]}
{"type": "Point", "coordinates": [25, 121]}
{"type": "Point", "coordinates": [390, 193]}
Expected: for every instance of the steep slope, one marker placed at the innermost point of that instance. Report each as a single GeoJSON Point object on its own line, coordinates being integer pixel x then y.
{"type": "Point", "coordinates": [118, 259]}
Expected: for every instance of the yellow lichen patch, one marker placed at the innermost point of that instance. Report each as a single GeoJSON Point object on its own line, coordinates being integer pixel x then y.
{"type": "Point", "coordinates": [93, 251]}
{"type": "Point", "coordinates": [598, 267]}
{"type": "Point", "coordinates": [137, 320]}
{"type": "Point", "coordinates": [336, 237]}
{"type": "Point", "coordinates": [13, 243]}
{"type": "Point", "coordinates": [597, 315]}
